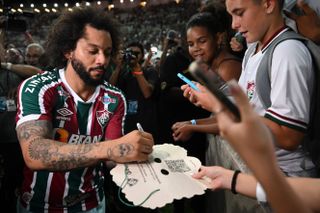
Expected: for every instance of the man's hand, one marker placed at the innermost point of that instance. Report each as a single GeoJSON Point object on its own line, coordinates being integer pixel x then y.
{"type": "Point", "coordinates": [134, 146]}
{"type": "Point", "coordinates": [308, 24]}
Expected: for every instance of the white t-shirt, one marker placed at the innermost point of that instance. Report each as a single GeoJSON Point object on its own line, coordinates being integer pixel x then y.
{"type": "Point", "coordinates": [291, 86]}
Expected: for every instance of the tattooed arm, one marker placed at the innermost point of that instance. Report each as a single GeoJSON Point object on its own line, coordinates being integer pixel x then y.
{"type": "Point", "coordinates": [41, 152]}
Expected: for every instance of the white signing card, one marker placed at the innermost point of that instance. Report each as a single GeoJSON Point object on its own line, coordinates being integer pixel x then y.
{"type": "Point", "coordinates": [164, 177]}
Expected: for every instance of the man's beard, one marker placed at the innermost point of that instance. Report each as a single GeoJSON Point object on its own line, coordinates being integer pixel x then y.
{"type": "Point", "coordinates": [85, 75]}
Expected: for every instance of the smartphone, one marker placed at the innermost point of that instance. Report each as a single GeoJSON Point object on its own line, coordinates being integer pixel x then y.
{"type": "Point", "coordinates": [239, 37]}
{"type": "Point", "coordinates": [215, 85]}
{"type": "Point", "coordinates": [190, 83]}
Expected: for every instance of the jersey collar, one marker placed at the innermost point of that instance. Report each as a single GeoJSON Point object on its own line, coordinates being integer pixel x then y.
{"type": "Point", "coordinates": [273, 37]}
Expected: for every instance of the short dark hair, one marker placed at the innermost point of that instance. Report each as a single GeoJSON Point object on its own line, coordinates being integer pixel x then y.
{"type": "Point", "coordinates": [280, 2]}
{"type": "Point", "coordinates": [70, 27]}
{"type": "Point", "coordinates": [137, 44]}
{"type": "Point", "coordinates": [222, 19]}
{"type": "Point", "coordinates": [213, 24]}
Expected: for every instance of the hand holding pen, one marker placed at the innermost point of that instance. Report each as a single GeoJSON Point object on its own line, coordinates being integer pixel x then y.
{"type": "Point", "coordinates": [132, 147]}
{"type": "Point", "coordinates": [140, 127]}
{"type": "Point", "coordinates": [147, 148]}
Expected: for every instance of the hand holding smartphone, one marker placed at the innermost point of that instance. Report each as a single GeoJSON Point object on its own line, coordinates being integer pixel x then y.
{"type": "Point", "coordinates": [215, 85]}
{"type": "Point", "coordinates": [186, 80]}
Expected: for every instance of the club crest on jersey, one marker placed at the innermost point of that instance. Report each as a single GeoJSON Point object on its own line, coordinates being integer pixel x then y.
{"type": "Point", "coordinates": [250, 89]}
{"type": "Point", "coordinates": [103, 117]}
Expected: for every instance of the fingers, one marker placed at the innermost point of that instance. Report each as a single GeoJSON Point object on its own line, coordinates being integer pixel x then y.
{"type": "Point", "coordinates": [241, 99]}
{"type": "Point", "coordinates": [201, 173]}
{"type": "Point", "coordinates": [176, 135]}
{"type": "Point", "coordinates": [305, 7]}
{"type": "Point", "coordinates": [235, 45]}
{"type": "Point", "coordinates": [146, 149]}
{"type": "Point", "coordinates": [176, 126]}
{"type": "Point", "coordinates": [146, 135]}
{"type": "Point", "coordinates": [145, 142]}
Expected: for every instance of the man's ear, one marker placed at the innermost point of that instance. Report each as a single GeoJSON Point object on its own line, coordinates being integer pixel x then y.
{"type": "Point", "coordinates": [270, 5]}
{"type": "Point", "coordinates": [68, 55]}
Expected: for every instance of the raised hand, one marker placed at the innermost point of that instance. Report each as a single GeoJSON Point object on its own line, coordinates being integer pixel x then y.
{"type": "Point", "coordinates": [308, 24]}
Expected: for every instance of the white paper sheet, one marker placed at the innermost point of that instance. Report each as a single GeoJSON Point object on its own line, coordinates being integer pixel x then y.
{"type": "Point", "coordinates": [168, 170]}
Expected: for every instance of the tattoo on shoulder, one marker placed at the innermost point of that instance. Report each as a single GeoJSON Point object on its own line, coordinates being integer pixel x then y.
{"type": "Point", "coordinates": [120, 150]}
{"type": "Point", "coordinates": [40, 128]}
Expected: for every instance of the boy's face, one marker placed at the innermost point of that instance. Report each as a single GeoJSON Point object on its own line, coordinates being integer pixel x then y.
{"type": "Point", "coordinates": [250, 18]}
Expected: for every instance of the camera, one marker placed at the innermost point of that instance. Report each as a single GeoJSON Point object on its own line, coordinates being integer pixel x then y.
{"type": "Point", "coordinates": [128, 55]}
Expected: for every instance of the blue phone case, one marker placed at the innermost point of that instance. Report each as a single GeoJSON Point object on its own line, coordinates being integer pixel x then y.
{"type": "Point", "coordinates": [190, 83]}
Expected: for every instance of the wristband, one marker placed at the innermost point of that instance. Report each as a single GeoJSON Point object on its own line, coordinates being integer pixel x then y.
{"type": "Point", "coordinates": [193, 122]}
{"type": "Point", "coordinates": [137, 73]}
{"type": "Point", "coordinates": [234, 181]}
{"type": "Point", "coordinates": [7, 66]}
{"type": "Point", "coordinates": [260, 193]}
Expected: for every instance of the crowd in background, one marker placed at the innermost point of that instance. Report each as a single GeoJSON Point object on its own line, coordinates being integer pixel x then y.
{"type": "Point", "coordinates": [148, 79]}
{"type": "Point", "coordinates": [146, 24]}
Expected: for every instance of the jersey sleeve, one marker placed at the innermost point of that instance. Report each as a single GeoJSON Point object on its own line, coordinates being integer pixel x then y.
{"type": "Point", "coordinates": [291, 85]}
{"type": "Point", "coordinates": [115, 128]}
{"type": "Point", "coordinates": [35, 100]}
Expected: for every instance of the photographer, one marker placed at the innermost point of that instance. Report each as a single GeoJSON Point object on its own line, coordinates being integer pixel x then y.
{"type": "Point", "coordinates": [138, 84]}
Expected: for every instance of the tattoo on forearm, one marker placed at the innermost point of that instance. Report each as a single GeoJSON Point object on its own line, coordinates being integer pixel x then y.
{"type": "Point", "coordinates": [120, 150]}
{"type": "Point", "coordinates": [55, 155]}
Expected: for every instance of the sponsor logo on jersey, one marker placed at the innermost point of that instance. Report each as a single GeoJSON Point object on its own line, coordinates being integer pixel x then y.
{"type": "Point", "coordinates": [64, 112]}
{"type": "Point", "coordinates": [64, 136]}
{"type": "Point", "coordinates": [61, 135]}
{"type": "Point", "coordinates": [37, 80]}
{"type": "Point", "coordinates": [106, 100]}
{"type": "Point", "coordinates": [86, 139]}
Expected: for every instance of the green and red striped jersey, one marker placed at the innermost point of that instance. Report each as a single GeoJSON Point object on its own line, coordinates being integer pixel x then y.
{"type": "Point", "coordinates": [48, 96]}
